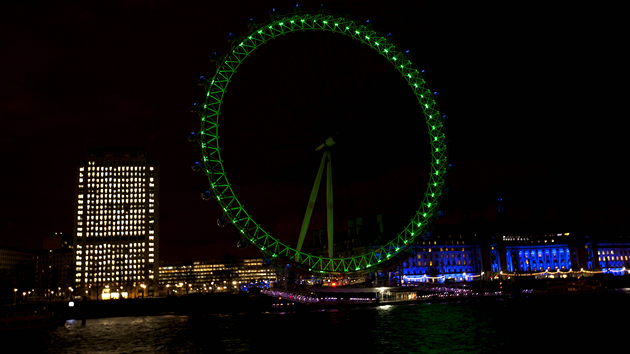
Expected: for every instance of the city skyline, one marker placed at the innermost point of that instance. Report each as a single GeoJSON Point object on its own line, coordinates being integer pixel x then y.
{"type": "Point", "coordinates": [74, 75]}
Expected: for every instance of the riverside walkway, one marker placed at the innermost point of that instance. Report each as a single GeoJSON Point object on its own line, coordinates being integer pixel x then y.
{"type": "Point", "coordinates": [373, 296]}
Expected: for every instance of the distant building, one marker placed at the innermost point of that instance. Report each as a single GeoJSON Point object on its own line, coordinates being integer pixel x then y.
{"type": "Point", "coordinates": [611, 257]}
{"type": "Point", "coordinates": [58, 240]}
{"type": "Point", "coordinates": [213, 276]}
{"type": "Point", "coordinates": [10, 257]}
{"type": "Point", "coordinates": [454, 253]}
{"type": "Point", "coordinates": [441, 259]}
{"type": "Point", "coordinates": [117, 224]}
{"type": "Point", "coordinates": [54, 274]}
{"type": "Point", "coordinates": [17, 270]}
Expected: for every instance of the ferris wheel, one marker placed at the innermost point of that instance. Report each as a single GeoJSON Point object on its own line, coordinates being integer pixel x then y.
{"type": "Point", "coordinates": [222, 191]}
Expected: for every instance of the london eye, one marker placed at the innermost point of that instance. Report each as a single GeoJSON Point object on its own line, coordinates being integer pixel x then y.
{"type": "Point", "coordinates": [293, 251]}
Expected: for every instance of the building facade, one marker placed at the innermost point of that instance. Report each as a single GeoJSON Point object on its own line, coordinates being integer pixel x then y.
{"type": "Point", "coordinates": [55, 274]}
{"type": "Point", "coordinates": [214, 276]}
{"type": "Point", "coordinates": [117, 224]}
{"type": "Point", "coordinates": [451, 258]}
{"type": "Point", "coordinates": [17, 271]}
{"type": "Point", "coordinates": [613, 257]}
{"type": "Point", "coordinates": [445, 258]}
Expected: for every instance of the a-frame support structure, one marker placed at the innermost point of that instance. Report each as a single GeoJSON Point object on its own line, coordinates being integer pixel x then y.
{"type": "Point", "coordinates": [326, 162]}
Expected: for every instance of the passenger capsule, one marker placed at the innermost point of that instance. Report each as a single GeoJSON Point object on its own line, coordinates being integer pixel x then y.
{"type": "Point", "coordinates": [230, 37]}
{"type": "Point", "coordinates": [207, 195]}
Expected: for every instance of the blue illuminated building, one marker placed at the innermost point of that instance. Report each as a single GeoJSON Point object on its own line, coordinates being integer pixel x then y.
{"type": "Point", "coordinates": [447, 258]}
{"type": "Point", "coordinates": [480, 249]}
{"type": "Point", "coordinates": [611, 257]}
{"type": "Point", "coordinates": [535, 253]}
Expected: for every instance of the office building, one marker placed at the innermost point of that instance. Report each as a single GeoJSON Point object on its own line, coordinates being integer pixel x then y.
{"type": "Point", "coordinates": [117, 224]}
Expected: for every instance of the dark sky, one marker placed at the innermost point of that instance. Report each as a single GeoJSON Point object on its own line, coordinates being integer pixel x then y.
{"type": "Point", "coordinates": [530, 94]}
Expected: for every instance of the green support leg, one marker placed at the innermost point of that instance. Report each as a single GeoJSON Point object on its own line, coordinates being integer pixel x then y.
{"type": "Point", "coordinates": [329, 205]}
{"type": "Point", "coordinates": [309, 208]}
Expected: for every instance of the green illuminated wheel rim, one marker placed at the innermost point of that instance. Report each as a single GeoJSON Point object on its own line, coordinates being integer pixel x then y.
{"type": "Point", "coordinates": [222, 190]}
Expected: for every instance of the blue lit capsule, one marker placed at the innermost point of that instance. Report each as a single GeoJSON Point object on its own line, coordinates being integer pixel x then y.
{"type": "Point", "coordinates": [207, 195]}
{"type": "Point", "coordinates": [214, 56]}
{"type": "Point", "coordinates": [196, 167]}
{"type": "Point", "coordinates": [322, 8]}
{"type": "Point", "coordinates": [201, 80]}
{"type": "Point", "coordinates": [222, 221]}
{"type": "Point", "coordinates": [192, 136]}
{"type": "Point", "coordinates": [273, 13]}
{"type": "Point", "coordinates": [230, 37]}
{"type": "Point", "coordinates": [297, 8]}
{"type": "Point", "coordinates": [194, 108]}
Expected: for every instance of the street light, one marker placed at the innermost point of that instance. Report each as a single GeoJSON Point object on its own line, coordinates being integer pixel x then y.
{"type": "Point", "coordinates": [15, 296]}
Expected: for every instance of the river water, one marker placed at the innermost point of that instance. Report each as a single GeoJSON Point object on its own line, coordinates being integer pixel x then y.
{"type": "Point", "coordinates": [537, 325]}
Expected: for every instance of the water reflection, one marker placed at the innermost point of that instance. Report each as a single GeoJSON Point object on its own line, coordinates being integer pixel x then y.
{"type": "Point", "coordinates": [470, 327]}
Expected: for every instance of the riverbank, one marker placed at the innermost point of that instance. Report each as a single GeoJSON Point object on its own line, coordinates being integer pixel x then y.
{"type": "Point", "coordinates": [207, 304]}
{"type": "Point", "coordinates": [222, 303]}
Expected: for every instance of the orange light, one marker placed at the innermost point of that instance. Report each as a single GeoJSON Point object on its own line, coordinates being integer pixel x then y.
{"type": "Point", "coordinates": [334, 284]}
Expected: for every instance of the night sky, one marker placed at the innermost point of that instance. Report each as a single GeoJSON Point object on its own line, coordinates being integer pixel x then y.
{"type": "Point", "coordinates": [531, 95]}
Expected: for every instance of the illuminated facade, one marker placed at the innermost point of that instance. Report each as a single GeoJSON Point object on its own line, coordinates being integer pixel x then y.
{"type": "Point", "coordinates": [117, 224]}
{"type": "Point", "coordinates": [536, 253]}
{"type": "Point", "coordinates": [447, 258]}
{"type": "Point", "coordinates": [213, 276]}
{"type": "Point", "coordinates": [612, 257]}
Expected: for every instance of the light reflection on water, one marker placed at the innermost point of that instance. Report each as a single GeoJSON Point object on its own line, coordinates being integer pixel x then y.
{"type": "Point", "coordinates": [467, 327]}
